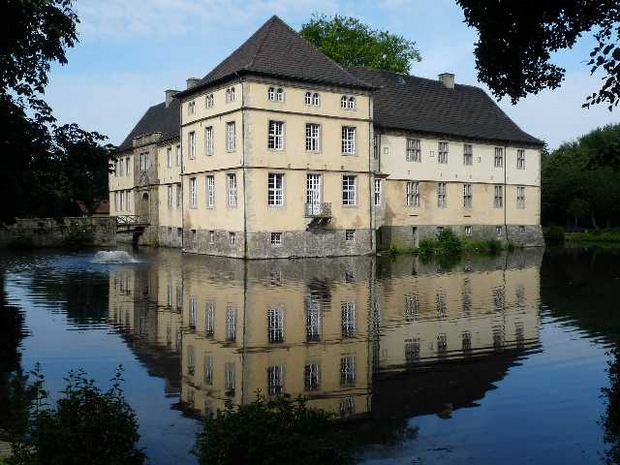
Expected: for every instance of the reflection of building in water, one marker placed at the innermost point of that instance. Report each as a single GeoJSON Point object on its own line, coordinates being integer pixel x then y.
{"type": "Point", "coordinates": [331, 330]}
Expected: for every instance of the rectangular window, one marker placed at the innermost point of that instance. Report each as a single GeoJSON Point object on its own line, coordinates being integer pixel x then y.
{"type": "Point", "coordinates": [498, 200]}
{"type": "Point", "coordinates": [211, 237]}
{"type": "Point", "coordinates": [275, 139]}
{"type": "Point", "coordinates": [441, 195]}
{"type": "Point", "coordinates": [179, 190]}
{"type": "Point", "coordinates": [178, 154]}
{"type": "Point", "coordinates": [128, 166]}
{"type": "Point", "coordinates": [193, 193]}
{"type": "Point", "coordinates": [414, 152]}
{"type": "Point", "coordinates": [313, 318]}
{"type": "Point", "coordinates": [191, 107]}
{"type": "Point", "coordinates": [348, 319]}
{"type": "Point", "coordinates": [468, 155]}
{"type": "Point", "coordinates": [231, 324]}
{"type": "Point", "coordinates": [232, 189]}
{"type": "Point", "coordinates": [499, 230]}
{"type": "Point", "coordinates": [170, 197]}
{"type": "Point", "coordinates": [229, 377]}
{"type": "Point", "coordinates": [412, 307]}
{"type": "Point", "coordinates": [468, 231]}
{"type": "Point", "coordinates": [210, 187]}
{"type": "Point", "coordinates": [209, 140]}
{"type": "Point", "coordinates": [275, 189]}
{"type": "Point", "coordinates": [413, 194]}
{"type": "Point", "coordinates": [193, 311]}
{"type": "Point", "coordinates": [412, 350]}
{"type": "Point", "coordinates": [275, 380]}
{"type": "Point", "coordinates": [347, 370]}
{"type": "Point", "coordinates": [349, 235]}
{"type": "Point", "coordinates": [520, 197]}
{"type": "Point", "coordinates": [312, 377]}
{"type": "Point", "coordinates": [209, 370]}
{"type": "Point", "coordinates": [122, 202]}
{"type": "Point", "coordinates": [349, 190]}
{"type": "Point", "coordinates": [276, 239]}
{"type": "Point", "coordinates": [210, 318]}
{"type": "Point", "coordinates": [169, 157]}
{"type": "Point", "coordinates": [275, 325]}
{"type": "Point", "coordinates": [230, 136]}
{"type": "Point", "coordinates": [499, 157]}
{"type": "Point", "coordinates": [375, 147]}
{"type": "Point", "coordinates": [232, 238]}
{"type": "Point", "coordinates": [442, 152]}
{"type": "Point", "coordinates": [348, 140]}
{"type": "Point", "coordinates": [128, 200]}
{"type": "Point", "coordinates": [377, 193]}
{"type": "Point", "coordinates": [121, 168]}
{"type": "Point", "coordinates": [467, 195]}
{"type": "Point", "coordinates": [191, 143]}
{"type": "Point", "coordinates": [442, 343]}
{"type": "Point", "coordinates": [313, 137]}
{"type": "Point", "coordinates": [520, 159]}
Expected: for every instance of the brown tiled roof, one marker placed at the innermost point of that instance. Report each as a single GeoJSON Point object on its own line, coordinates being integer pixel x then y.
{"type": "Point", "coordinates": [158, 118]}
{"type": "Point", "coordinates": [427, 106]}
{"type": "Point", "coordinates": [279, 51]}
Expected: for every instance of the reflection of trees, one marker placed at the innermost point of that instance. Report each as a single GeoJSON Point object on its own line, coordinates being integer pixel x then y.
{"type": "Point", "coordinates": [611, 418]}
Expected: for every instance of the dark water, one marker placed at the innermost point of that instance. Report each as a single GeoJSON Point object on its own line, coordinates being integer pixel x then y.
{"type": "Point", "coordinates": [489, 360]}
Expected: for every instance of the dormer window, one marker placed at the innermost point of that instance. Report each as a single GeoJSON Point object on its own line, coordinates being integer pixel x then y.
{"type": "Point", "coordinates": [275, 94]}
{"type": "Point", "coordinates": [347, 102]}
{"type": "Point", "coordinates": [230, 95]}
{"type": "Point", "coordinates": [308, 98]}
{"type": "Point", "coordinates": [313, 99]}
{"type": "Point", "coordinates": [191, 107]}
{"type": "Point", "coordinates": [209, 101]}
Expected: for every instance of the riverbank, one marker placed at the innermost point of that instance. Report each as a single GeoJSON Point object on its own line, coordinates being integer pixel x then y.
{"type": "Point", "coordinates": [600, 235]}
{"type": "Point", "coordinates": [448, 243]}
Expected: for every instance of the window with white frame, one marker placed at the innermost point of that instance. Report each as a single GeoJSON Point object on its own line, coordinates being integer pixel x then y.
{"type": "Point", "coordinates": [230, 95]}
{"type": "Point", "coordinates": [412, 194]}
{"type": "Point", "coordinates": [349, 235]}
{"type": "Point", "coordinates": [468, 231]}
{"type": "Point", "coordinates": [468, 154]}
{"type": "Point", "coordinates": [349, 190]}
{"type": "Point", "coordinates": [210, 188]}
{"type": "Point", "coordinates": [275, 380]}
{"type": "Point", "coordinates": [170, 197]}
{"type": "Point", "coordinates": [230, 136]}
{"type": "Point", "coordinates": [232, 238]}
{"type": "Point", "coordinates": [308, 98]}
{"type": "Point", "coordinates": [231, 324]}
{"type": "Point", "coordinates": [499, 157]}
{"type": "Point", "coordinates": [441, 195]}
{"type": "Point", "coordinates": [498, 199]}
{"type": "Point", "coordinates": [343, 102]}
{"type": "Point", "coordinates": [191, 144]}
{"type": "Point", "coordinates": [209, 140]}
{"type": "Point", "coordinates": [348, 319]}
{"type": "Point", "coordinates": [169, 157]}
{"type": "Point", "coordinates": [209, 101]}
{"type": "Point", "coordinates": [275, 139]}
{"type": "Point", "coordinates": [348, 140]}
{"type": "Point", "coordinates": [313, 137]}
{"type": "Point", "coordinates": [276, 239]}
{"type": "Point", "coordinates": [275, 189]}
{"type": "Point", "coordinates": [313, 318]}
{"type": "Point", "coordinates": [520, 197]}
{"type": "Point", "coordinates": [442, 152]}
{"type": "Point", "coordinates": [467, 195]}
{"type": "Point", "coordinates": [412, 307]}
{"type": "Point", "coordinates": [316, 99]}
{"type": "Point", "coordinates": [414, 152]}
{"type": "Point", "coordinates": [210, 318]}
{"type": "Point", "coordinates": [520, 159]}
{"type": "Point", "coordinates": [280, 94]}
{"type": "Point", "coordinates": [275, 325]}
{"type": "Point", "coordinates": [144, 161]}
{"type": "Point", "coordinates": [347, 370]}
{"type": "Point", "coordinates": [499, 230]}
{"type": "Point", "coordinates": [312, 377]}
{"type": "Point", "coordinates": [193, 193]}
{"type": "Point", "coordinates": [377, 193]}
{"type": "Point", "coordinates": [191, 107]}
{"type": "Point", "coordinates": [232, 189]}
{"type": "Point", "coordinates": [179, 191]}
{"type": "Point", "coordinates": [211, 237]}
{"type": "Point", "coordinates": [271, 94]}
{"type": "Point", "coordinates": [178, 150]}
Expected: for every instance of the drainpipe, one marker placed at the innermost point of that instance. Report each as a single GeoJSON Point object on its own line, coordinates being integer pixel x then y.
{"type": "Point", "coordinates": [371, 191]}
{"type": "Point", "coordinates": [181, 176]}
{"type": "Point", "coordinates": [243, 171]}
{"type": "Point", "coordinates": [505, 190]}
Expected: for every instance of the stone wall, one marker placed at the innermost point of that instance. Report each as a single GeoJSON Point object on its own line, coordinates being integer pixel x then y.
{"type": "Point", "coordinates": [51, 232]}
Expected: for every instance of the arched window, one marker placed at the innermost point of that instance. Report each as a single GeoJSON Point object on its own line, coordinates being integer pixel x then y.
{"type": "Point", "coordinates": [308, 98]}
{"type": "Point", "coordinates": [316, 99]}
{"type": "Point", "coordinates": [280, 94]}
{"type": "Point", "coordinates": [343, 101]}
{"type": "Point", "coordinates": [271, 93]}
{"type": "Point", "coordinates": [351, 103]}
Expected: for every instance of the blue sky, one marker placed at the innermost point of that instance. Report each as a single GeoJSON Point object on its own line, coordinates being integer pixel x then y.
{"type": "Point", "coordinates": [130, 51]}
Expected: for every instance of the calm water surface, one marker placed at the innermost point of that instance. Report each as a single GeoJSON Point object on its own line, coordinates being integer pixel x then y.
{"type": "Point", "coordinates": [489, 360]}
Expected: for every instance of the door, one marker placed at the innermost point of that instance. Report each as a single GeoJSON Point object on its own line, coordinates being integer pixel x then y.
{"type": "Point", "coordinates": [313, 194]}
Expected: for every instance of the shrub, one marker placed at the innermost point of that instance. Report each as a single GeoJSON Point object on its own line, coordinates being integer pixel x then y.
{"type": "Point", "coordinates": [271, 431]}
{"type": "Point", "coordinates": [77, 237]}
{"type": "Point", "coordinates": [87, 426]}
{"type": "Point", "coordinates": [449, 242]}
{"type": "Point", "coordinates": [555, 234]}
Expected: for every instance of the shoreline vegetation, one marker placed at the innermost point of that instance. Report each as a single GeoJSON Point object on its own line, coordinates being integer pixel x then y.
{"type": "Point", "coordinates": [558, 235]}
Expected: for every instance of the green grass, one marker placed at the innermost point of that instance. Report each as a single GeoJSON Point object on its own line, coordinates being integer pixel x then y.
{"type": "Point", "coordinates": [601, 235]}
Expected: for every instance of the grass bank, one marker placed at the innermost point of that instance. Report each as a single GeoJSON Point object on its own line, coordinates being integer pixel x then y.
{"type": "Point", "coordinates": [600, 235]}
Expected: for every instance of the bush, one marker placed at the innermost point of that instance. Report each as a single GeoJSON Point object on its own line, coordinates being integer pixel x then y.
{"type": "Point", "coordinates": [555, 234]}
{"type": "Point", "coordinates": [271, 431]}
{"type": "Point", "coordinates": [449, 242]}
{"type": "Point", "coordinates": [21, 241]}
{"type": "Point", "coordinates": [86, 427]}
{"type": "Point", "coordinates": [77, 238]}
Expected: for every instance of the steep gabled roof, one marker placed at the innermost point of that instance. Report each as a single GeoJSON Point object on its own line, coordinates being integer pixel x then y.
{"type": "Point", "coordinates": [425, 105]}
{"type": "Point", "coordinates": [158, 118]}
{"type": "Point", "coordinates": [279, 51]}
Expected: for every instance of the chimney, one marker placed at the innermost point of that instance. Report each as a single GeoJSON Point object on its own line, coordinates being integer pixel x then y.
{"type": "Point", "coordinates": [192, 82]}
{"type": "Point", "coordinates": [447, 79]}
{"type": "Point", "coordinates": [169, 96]}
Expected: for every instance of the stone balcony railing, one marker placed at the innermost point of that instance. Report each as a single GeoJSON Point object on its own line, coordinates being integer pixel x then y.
{"type": "Point", "coordinates": [318, 210]}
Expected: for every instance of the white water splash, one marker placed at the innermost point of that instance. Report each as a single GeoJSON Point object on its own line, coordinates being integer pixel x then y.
{"type": "Point", "coordinates": [113, 256]}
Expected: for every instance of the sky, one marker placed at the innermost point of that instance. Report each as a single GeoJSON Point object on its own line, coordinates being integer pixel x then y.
{"type": "Point", "coordinates": [130, 51]}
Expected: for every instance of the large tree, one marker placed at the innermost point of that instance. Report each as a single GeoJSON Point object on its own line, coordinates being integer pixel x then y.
{"type": "Point", "coordinates": [350, 42]}
{"type": "Point", "coordinates": [516, 40]}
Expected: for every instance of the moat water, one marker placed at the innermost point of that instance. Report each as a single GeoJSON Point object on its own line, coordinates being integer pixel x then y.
{"type": "Point", "coordinates": [486, 360]}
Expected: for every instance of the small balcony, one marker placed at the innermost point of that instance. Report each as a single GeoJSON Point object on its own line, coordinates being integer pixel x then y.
{"type": "Point", "coordinates": [318, 210]}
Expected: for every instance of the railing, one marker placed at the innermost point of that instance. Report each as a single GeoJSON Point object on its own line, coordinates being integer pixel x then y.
{"type": "Point", "coordinates": [131, 220]}
{"type": "Point", "coordinates": [319, 210]}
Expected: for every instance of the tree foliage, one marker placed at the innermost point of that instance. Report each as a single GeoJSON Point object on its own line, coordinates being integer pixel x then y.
{"type": "Point", "coordinates": [350, 42]}
{"type": "Point", "coordinates": [578, 186]}
{"type": "Point", "coordinates": [516, 40]}
{"type": "Point", "coordinates": [271, 431]}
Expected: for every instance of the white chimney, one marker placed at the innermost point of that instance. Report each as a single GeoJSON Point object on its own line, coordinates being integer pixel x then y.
{"type": "Point", "coordinates": [447, 79]}
{"type": "Point", "coordinates": [169, 96]}
{"type": "Point", "coordinates": [192, 82]}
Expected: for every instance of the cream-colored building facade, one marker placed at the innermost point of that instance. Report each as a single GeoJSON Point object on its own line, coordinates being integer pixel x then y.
{"type": "Point", "coordinates": [280, 152]}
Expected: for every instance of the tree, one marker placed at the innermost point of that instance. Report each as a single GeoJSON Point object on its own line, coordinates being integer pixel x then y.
{"type": "Point", "coordinates": [516, 39]}
{"type": "Point", "coordinates": [351, 43]}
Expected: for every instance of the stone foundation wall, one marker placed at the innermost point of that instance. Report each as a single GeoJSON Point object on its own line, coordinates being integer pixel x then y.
{"type": "Point", "coordinates": [198, 241]}
{"type": "Point", "coordinates": [170, 236]}
{"type": "Point", "coordinates": [51, 232]}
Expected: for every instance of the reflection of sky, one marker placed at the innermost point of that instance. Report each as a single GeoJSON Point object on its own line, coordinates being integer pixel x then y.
{"type": "Point", "coordinates": [544, 411]}
{"type": "Point", "coordinates": [60, 348]}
